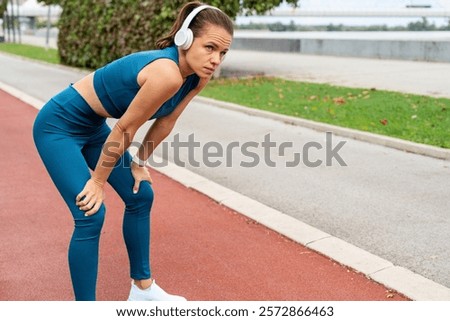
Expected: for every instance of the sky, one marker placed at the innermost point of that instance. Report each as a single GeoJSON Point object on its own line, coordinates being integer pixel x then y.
{"type": "Point", "coordinates": [354, 5]}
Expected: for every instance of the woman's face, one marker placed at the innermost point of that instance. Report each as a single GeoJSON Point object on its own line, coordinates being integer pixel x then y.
{"type": "Point", "coordinates": [208, 50]}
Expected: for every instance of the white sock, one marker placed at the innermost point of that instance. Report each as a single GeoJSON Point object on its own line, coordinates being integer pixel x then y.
{"type": "Point", "coordinates": [152, 293]}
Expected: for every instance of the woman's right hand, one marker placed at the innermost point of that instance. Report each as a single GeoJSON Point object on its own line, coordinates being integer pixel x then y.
{"type": "Point", "coordinates": [90, 198]}
{"type": "Point", "coordinates": [140, 173]}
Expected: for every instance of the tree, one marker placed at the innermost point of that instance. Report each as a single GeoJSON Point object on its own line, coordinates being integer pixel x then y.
{"type": "Point", "coordinates": [3, 4]}
{"type": "Point", "coordinates": [423, 25]}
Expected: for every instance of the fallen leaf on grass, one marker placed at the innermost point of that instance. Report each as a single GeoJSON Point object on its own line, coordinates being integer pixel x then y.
{"type": "Point", "coordinates": [384, 122]}
{"type": "Point", "coordinates": [339, 100]}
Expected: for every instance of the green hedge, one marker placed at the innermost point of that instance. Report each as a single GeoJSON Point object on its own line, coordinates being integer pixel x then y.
{"type": "Point", "coordinates": [93, 33]}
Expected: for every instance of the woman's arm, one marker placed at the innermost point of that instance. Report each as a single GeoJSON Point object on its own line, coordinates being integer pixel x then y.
{"type": "Point", "coordinates": [159, 130]}
{"type": "Point", "coordinates": [163, 126]}
{"type": "Point", "coordinates": [162, 80]}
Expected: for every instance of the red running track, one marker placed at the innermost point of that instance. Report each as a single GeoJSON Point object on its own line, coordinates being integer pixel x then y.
{"type": "Point", "coordinates": [200, 249]}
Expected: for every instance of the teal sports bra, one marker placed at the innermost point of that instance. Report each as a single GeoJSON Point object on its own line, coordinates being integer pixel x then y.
{"type": "Point", "coordinates": [116, 83]}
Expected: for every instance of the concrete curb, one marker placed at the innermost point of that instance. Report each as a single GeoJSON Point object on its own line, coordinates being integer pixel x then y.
{"type": "Point", "coordinates": [414, 286]}
{"type": "Point", "coordinates": [404, 145]}
{"type": "Point", "coordinates": [48, 64]}
{"type": "Point", "coordinates": [36, 103]}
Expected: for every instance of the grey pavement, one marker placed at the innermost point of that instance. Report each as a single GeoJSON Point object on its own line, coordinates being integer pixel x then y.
{"type": "Point", "coordinates": [385, 202]}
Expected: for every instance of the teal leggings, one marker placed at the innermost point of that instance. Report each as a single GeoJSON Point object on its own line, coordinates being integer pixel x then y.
{"type": "Point", "coordinates": [69, 137]}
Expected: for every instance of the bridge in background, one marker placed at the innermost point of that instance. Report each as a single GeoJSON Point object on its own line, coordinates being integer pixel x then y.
{"type": "Point", "coordinates": [407, 12]}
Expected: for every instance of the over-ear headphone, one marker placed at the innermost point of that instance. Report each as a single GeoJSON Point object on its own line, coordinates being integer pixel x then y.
{"type": "Point", "coordinates": [184, 37]}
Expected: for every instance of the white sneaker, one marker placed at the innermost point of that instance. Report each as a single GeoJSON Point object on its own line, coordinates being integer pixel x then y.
{"type": "Point", "coordinates": [152, 293]}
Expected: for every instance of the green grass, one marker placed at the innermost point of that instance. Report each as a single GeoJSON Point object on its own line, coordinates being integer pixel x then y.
{"type": "Point", "coordinates": [416, 118]}
{"type": "Point", "coordinates": [32, 52]}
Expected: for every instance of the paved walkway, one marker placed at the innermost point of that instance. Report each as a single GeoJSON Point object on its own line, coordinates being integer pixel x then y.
{"type": "Point", "coordinates": [200, 249]}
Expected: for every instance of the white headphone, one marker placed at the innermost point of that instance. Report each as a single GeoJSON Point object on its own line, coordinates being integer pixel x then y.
{"type": "Point", "coordinates": [184, 37]}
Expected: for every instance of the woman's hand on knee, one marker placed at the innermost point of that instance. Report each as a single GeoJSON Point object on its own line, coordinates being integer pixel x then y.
{"type": "Point", "coordinates": [91, 198]}
{"type": "Point", "coordinates": [140, 173]}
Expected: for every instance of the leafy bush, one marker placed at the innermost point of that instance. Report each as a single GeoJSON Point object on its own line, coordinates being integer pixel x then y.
{"type": "Point", "coordinates": [95, 32]}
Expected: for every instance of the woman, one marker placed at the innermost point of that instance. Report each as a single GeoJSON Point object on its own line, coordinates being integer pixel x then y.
{"type": "Point", "coordinates": [71, 136]}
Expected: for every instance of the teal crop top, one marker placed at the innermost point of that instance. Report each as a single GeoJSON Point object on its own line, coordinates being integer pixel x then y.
{"type": "Point", "coordinates": [116, 83]}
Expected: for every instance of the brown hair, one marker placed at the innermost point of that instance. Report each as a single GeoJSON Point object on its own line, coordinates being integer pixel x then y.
{"type": "Point", "coordinates": [204, 17]}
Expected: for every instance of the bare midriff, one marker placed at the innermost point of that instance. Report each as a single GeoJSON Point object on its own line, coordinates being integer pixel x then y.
{"type": "Point", "coordinates": [85, 88]}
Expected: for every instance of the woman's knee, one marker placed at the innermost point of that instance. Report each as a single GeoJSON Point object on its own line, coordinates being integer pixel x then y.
{"type": "Point", "coordinates": [89, 227]}
{"type": "Point", "coordinates": [142, 199]}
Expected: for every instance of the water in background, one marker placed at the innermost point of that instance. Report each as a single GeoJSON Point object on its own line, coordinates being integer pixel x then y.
{"type": "Point", "coordinates": [353, 5]}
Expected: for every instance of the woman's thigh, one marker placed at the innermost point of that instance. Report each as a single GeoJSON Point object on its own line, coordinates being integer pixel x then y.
{"type": "Point", "coordinates": [66, 166]}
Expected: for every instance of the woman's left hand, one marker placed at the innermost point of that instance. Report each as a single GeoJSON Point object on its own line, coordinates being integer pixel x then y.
{"type": "Point", "coordinates": [140, 173]}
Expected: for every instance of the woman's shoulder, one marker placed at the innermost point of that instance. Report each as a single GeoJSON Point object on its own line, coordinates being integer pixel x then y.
{"type": "Point", "coordinates": [163, 70]}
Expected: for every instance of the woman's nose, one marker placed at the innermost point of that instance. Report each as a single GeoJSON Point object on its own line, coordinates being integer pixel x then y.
{"type": "Point", "coordinates": [215, 59]}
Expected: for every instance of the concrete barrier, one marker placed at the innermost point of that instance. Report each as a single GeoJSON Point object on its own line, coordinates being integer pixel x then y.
{"type": "Point", "coordinates": [419, 50]}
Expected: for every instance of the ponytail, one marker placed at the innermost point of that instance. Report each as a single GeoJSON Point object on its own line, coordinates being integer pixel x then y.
{"type": "Point", "coordinates": [207, 16]}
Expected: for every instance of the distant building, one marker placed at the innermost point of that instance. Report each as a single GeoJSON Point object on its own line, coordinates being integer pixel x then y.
{"type": "Point", "coordinates": [418, 4]}
{"type": "Point", "coordinates": [30, 11]}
